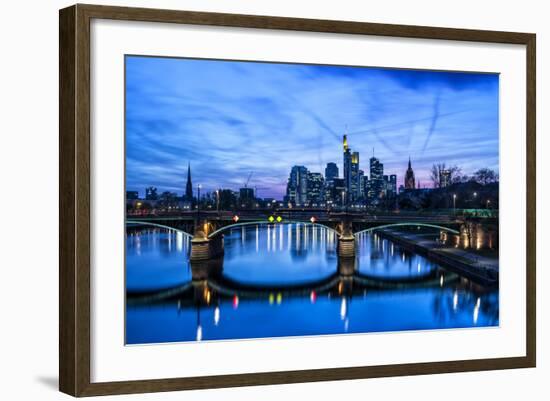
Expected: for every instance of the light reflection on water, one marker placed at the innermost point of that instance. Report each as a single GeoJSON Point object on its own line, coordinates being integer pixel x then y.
{"type": "Point", "coordinates": [290, 256]}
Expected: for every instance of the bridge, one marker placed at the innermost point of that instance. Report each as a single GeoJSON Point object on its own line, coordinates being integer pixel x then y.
{"type": "Point", "coordinates": [207, 228]}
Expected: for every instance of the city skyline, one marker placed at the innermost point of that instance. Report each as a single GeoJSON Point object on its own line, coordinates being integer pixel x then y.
{"type": "Point", "coordinates": [229, 119]}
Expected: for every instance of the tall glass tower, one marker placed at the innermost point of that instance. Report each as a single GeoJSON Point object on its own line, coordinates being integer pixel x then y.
{"type": "Point", "coordinates": [348, 180]}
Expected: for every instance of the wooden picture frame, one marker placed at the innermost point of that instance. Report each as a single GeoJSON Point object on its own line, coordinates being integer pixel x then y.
{"type": "Point", "coordinates": [74, 204]}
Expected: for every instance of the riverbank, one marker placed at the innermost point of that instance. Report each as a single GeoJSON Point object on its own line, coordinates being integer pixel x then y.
{"type": "Point", "coordinates": [477, 267]}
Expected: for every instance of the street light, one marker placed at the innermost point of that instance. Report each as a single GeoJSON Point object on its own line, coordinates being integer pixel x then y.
{"type": "Point", "coordinates": [454, 203]}
{"type": "Point", "coordinates": [198, 200]}
{"type": "Point", "coordinates": [488, 202]}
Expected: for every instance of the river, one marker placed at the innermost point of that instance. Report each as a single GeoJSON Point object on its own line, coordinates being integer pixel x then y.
{"type": "Point", "coordinates": [286, 280]}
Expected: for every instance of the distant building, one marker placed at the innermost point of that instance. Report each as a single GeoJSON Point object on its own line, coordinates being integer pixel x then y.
{"type": "Point", "coordinates": [444, 178]}
{"type": "Point", "coordinates": [296, 189]}
{"type": "Point", "coordinates": [409, 177]}
{"type": "Point", "coordinates": [393, 184]}
{"type": "Point", "coordinates": [348, 180]}
{"type": "Point", "coordinates": [151, 193]}
{"type": "Point", "coordinates": [351, 173]}
{"type": "Point", "coordinates": [331, 172]}
{"type": "Point", "coordinates": [315, 185]}
{"type": "Point", "coordinates": [132, 195]}
{"type": "Point", "coordinates": [188, 196]}
{"type": "Point", "coordinates": [355, 189]}
{"type": "Point", "coordinates": [246, 197]}
{"type": "Point", "coordinates": [361, 185]}
{"type": "Point", "coordinates": [338, 191]}
{"type": "Point", "coordinates": [376, 182]}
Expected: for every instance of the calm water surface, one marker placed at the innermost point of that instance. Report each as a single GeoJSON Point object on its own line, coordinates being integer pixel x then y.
{"type": "Point", "coordinates": [286, 280]}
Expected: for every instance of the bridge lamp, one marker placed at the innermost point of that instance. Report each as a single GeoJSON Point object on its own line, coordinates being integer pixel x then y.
{"type": "Point", "coordinates": [313, 219]}
{"type": "Point", "coordinates": [235, 218]}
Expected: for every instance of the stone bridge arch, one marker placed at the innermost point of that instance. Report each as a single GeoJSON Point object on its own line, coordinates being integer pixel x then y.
{"type": "Point", "coordinates": [150, 224]}
{"type": "Point", "coordinates": [222, 229]}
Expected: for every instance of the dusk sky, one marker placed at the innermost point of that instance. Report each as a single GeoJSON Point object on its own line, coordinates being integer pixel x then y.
{"type": "Point", "coordinates": [231, 118]}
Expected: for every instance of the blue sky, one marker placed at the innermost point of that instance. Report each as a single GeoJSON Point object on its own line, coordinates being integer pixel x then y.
{"type": "Point", "coordinates": [229, 118]}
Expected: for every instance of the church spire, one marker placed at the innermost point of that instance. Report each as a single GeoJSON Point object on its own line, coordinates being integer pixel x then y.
{"type": "Point", "coordinates": [409, 177]}
{"type": "Point", "coordinates": [189, 186]}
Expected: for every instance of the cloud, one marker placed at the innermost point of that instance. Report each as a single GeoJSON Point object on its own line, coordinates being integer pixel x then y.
{"type": "Point", "coordinates": [230, 118]}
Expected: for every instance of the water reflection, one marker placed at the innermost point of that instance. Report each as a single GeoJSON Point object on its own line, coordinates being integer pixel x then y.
{"type": "Point", "coordinates": [286, 280]}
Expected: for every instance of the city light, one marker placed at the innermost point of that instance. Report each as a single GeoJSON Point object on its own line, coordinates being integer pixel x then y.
{"type": "Point", "coordinates": [402, 235]}
{"type": "Point", "coordinates": [313, 297]}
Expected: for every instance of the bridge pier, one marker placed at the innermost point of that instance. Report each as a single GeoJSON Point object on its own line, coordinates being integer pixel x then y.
{"type": "Point", "coordinates": [346, 266]}
{"type": "Point", "coordinates": [346, 246]}
{"type": "Point", "coordinates": [346, 241]}
{"type": "Point", "coordinates": [204, 248]}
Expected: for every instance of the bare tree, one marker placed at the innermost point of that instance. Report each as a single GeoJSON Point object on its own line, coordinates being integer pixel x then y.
{"type": "Point", "coordinates": [485, 176]}
{"type": "Point", "coordinates": [435, 174]}
{"type": "Point", "coordinates": [454, 174]}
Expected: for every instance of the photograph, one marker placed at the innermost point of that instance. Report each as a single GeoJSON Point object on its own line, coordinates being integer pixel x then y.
{"type": "Point", "coordinates": [272, 199]}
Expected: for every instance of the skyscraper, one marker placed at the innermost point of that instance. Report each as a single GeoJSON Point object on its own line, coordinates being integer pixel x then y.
{"type": "Point", "coordinates": [409, 177]}
{"type": "Point", "coordinates": [331, 171]}
{"type": "Point", "coordinates": [361, 189]}
{"type": "Point", "coordinates": [296, 189]}
{"type": "Point", "coordinates": [352, 179]}
{"type": "Point", "coordinates": [355, 179]}
{"type": "Point", "coordinates": [376, 182]}
{"type": "Point", "coordinates": [189, 186]}
{"type": "Point", "coordinates": [393, 185]}
{"type": "Point", "coordinates": [347, 170]}
{"type": "Point", "coordinates": [315, 184]}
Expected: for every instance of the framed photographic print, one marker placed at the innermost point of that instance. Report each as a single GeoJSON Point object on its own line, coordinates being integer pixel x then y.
{"type": "Point", "coordinates": [251, 200]}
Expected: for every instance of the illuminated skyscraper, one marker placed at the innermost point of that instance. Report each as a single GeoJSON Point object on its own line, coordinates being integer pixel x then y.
{"type": "Point", "coordinates": [361, 181]}
{"type": "Point", "coordinates": [376, 182]}
{"type": "Point", "coordinates": [315, 185]}
{"type": "Point", "coordinates": [351, 173]}
{"type": "Point", "coordinates": [347, 170]}
{"type": "Point", "coordinates": [296, 189]}
{"type": "Point", "coordinates": [355, 189]}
